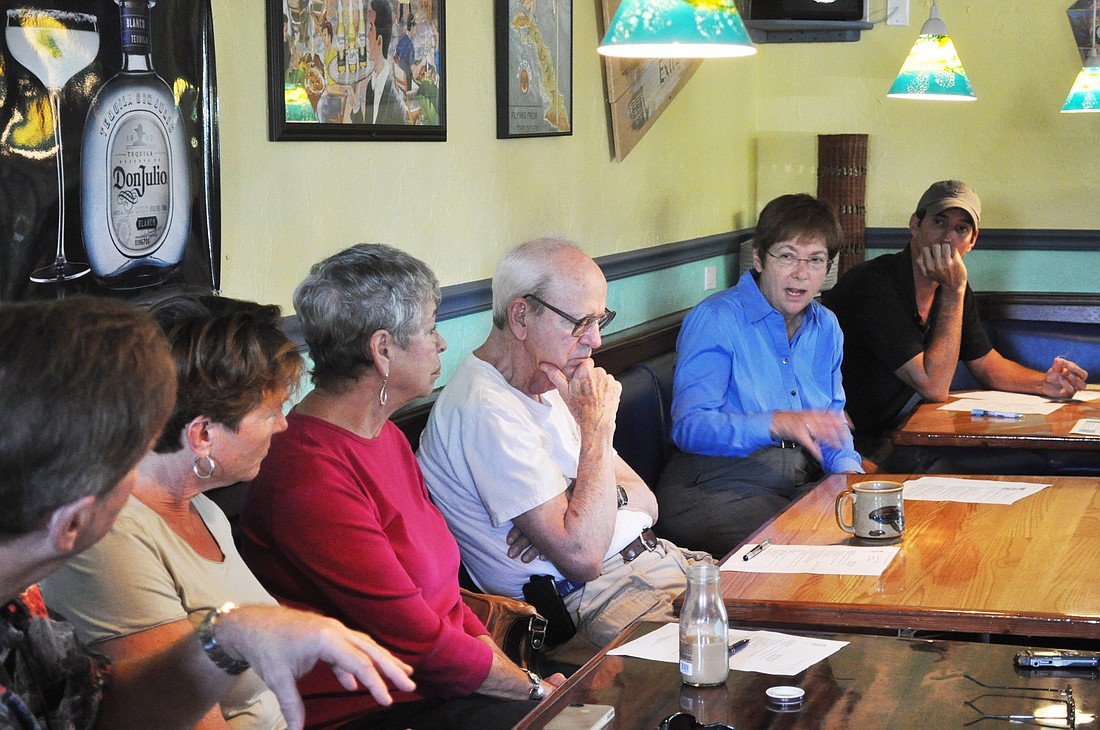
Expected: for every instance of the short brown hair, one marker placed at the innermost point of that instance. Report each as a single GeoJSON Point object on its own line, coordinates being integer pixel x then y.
{"type": "Point", "coordinates": [229, 354]}
{"type": "Point", "coordinates": [790, 217]}
{"type": "Point", "coordinates": [85, 384]}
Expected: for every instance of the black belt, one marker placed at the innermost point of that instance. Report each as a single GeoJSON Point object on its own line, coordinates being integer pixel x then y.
{"type": "Point", "coordinates": [646, 542]}
{"type": "Point", "coordinates": [789, 445]}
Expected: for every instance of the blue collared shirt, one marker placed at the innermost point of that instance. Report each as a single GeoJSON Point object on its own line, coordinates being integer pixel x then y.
{"type": "Point", "coordinates": [735, 367]}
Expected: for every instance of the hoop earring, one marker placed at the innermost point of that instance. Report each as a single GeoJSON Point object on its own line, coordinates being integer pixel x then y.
{"type": "Point", "coordinates": [383, 396]}
{"type": "Point", "coordinates": [210, 463]}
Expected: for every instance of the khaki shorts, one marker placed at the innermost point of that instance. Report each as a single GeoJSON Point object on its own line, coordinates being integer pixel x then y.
{"type": "Point", "coordinates": [642, 589]}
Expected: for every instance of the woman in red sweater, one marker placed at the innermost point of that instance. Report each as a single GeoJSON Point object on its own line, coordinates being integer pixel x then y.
{"type": "Point", "coordinates": [339, 519]}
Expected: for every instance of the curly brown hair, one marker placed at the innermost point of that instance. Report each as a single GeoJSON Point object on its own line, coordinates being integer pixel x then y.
{"type": "Point", "coordinates": [230, 354]}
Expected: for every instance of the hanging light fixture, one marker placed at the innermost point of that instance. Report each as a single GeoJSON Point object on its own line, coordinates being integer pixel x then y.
{"type": "Point", "coordinates": [932, 70]}
{"type": "Point", "coordinates": [677, 29]}
{"type": "Point", "coordinates": [1085, 94]}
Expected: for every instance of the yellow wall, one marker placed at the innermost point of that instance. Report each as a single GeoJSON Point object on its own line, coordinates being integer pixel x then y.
{"type": "Point", "coordinates": [1032, 166]}
{"type": "Point", "coordinates": [743, 131]}
{"type": "Point", "coordinates": [459, 204]}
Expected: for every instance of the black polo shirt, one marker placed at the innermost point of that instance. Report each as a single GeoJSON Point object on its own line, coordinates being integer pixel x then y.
{"type": "Point", "coordinates": [876, 303]}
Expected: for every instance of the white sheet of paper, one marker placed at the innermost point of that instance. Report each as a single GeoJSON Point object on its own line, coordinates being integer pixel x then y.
{"type": "Point", "coordinates": [977, 491]}
{"type": "Point", "coordinates": [1000, 397]}
{"type": "Point", "coordinates": [1087, 427]}
{"type": "Point", "coordinates": [1086, 395]}
{"type": "Point", "coordinates": [820, 559]}
{"type": "Point", "coordinates": [1039, 407]}
{"type": "Point", "coordinates": [768, 652]}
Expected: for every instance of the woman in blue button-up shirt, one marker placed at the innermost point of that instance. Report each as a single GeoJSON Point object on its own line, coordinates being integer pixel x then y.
{"type": "Point", "coordinates": [758, 406]}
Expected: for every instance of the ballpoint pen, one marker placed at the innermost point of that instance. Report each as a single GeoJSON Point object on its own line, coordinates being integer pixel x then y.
{"type": "Point", "coordinates": [995, 414]}
{"type": "Point", "coordinates": [738, 646]}
{"type": "Point", "coordinates": [756, 550]}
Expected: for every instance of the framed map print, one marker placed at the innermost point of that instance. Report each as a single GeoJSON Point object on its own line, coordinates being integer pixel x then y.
{"type": "Point", "coordinates": [534, 58]}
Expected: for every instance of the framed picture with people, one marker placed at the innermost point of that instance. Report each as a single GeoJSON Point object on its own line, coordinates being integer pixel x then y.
{"type": "Point", "coordinates": [347, 70]}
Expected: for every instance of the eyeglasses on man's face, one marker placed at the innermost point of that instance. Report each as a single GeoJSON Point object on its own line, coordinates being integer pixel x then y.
{"type": "Point", "coordinates": [582, 325]}
{"type": "Point", "coordinates": [788, 261]}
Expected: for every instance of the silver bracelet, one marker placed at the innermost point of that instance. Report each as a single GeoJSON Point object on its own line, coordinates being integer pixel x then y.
{"type": "Point", "coordinates": [210, 642]}
{"type": "Point", "coordinates": [537, 690]}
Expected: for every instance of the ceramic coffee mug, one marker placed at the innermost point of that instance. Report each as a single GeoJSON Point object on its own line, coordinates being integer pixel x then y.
{"type": "Point", "coordinates": [878, 512]}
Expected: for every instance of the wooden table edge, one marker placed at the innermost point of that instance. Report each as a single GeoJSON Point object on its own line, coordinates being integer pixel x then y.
{"type": "Point", "coordinates": [552, 705]}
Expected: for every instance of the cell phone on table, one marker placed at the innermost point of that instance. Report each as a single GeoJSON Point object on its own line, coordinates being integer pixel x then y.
{"type": "Point", "coordinates": [1055, 658]}
{"type": "Point", "coordinates": [582, 717]}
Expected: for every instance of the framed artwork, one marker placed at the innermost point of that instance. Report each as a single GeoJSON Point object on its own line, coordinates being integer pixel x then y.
{"type": "Point", "coordinates": [110, 181]}
{"type": "Point", "coordinates": [534, 58]}
{"type": "Point", "coordinates": [356, 70]}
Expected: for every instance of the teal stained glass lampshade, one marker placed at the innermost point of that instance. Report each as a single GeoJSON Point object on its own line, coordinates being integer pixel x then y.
{"type": "Point", "coordinates": [932, 70]}
{"type": "Point", "coordinates": [1085, 94]}
{"type": "Point", "coordinates": [677, 29]}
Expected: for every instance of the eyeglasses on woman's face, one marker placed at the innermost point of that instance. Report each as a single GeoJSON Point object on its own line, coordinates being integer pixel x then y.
{"type": "Point", "coordinates": [582, 324]}
{"type": "Point", "coordinates": [788, 261]}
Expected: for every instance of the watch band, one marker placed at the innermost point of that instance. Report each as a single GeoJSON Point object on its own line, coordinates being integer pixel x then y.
{"type": "Point", "coordinates": [210, 642]}
{"type": "Point", "coordinates": [624, 500]}
{"type": "Point", "coordinates": [537, 690]}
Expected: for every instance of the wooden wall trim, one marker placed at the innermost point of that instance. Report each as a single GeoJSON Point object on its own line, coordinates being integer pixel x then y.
{"type": "Point", "coordinates": [1039, 306]}
{"type": "Point", "coordinates": [472, 297]}
{"type": "Point", "coordinates": [460, 300]}
{"type": "Point", "coordinates": [1000, 239]}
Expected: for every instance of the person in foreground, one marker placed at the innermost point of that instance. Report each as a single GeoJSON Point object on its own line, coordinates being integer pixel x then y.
{"type": "Point", "coordinates": [339, 520]}
{"type": "Point", "coordinates": [910, 317]}
{"type": "Point", "coordinates": [170, 557]}
{"type": "Point", "coordinates": [758, 405]}
{"type": "Point", "coordinates": [86, 384]}
{"type": "Point", "coordinates": [518, 453]}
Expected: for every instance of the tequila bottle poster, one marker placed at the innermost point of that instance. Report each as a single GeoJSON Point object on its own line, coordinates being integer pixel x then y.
{"type": "Point", "coordinates": [108, 147]}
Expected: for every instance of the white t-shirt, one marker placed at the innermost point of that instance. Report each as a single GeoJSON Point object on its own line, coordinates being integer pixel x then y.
{"type": "Point", "coordinates": [491, 453]}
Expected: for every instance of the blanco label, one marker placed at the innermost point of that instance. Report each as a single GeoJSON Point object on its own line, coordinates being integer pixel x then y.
{"type": "Point", "coordinates": [139, 189]}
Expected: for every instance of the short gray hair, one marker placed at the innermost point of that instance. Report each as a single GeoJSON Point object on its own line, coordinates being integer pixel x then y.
{"type": "Point", "coordinates": [526, 269]}
{"type": "Point", "coordinates": [351, 295]}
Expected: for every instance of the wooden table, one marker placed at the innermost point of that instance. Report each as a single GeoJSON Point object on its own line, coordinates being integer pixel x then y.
{"type": "Point", "coordinates": [1029, 569]}
{"type": "Point", "coordinates": [874, 682]}
{"type": "Point", "coordinates": [927, 425]}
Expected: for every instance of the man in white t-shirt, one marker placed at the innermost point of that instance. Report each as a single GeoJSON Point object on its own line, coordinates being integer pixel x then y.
{"type": "Point", "coordinates": [518, 455]}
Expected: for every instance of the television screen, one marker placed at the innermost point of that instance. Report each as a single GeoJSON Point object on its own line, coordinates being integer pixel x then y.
{"type": "Point", "coordinates": [804, 9]}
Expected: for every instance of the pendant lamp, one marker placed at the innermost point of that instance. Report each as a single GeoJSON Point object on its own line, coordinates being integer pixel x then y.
{"type": "Point", "coordinates": [932, 69]}
{"type": "Point", "coordinates": [676, 29]}
{"type": "Point", "coordinates": [1085, 94]}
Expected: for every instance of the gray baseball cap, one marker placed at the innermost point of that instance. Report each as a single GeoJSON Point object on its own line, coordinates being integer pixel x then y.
{"type": "Point", "coordinates": [951, 194]}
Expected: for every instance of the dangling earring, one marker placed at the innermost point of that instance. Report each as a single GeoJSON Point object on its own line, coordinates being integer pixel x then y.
{"type": "Point", "coordinates": [211, 467]}
{"type": "Point", "coordinates": [383, 396]}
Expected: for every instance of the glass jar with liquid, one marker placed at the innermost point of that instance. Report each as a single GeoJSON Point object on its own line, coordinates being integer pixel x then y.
{"type": "Point", "coordinates": [704, 637]}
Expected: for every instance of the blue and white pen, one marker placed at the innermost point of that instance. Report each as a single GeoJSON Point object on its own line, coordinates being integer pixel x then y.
{"type": "Point", "coordinates": [995, 414]}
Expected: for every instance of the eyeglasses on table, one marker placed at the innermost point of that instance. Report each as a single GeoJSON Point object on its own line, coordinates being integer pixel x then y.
{"type": "Point", "coordinates": [1033, 719]}
{"type": "Point", "coordinates": [687, 721]}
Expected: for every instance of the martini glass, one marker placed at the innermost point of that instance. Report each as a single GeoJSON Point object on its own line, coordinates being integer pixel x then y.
{"type": "Point", "coordinates": [54, 45]}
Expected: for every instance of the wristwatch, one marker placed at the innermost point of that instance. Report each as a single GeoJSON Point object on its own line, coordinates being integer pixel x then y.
{"type": "Point", "coordinates": [537, 690]}
{"type": "Point", "coordinates": [623, 499]}
{"type": "Point", "coordinates": [210, 642]}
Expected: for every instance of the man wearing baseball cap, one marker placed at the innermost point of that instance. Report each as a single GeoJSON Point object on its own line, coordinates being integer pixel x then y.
{"type": "Point", "coordinates": [908, 318]}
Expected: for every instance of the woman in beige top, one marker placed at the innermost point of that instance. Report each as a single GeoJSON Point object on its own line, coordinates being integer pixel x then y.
{"type": "Point", "coordinates": [170, 557]}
